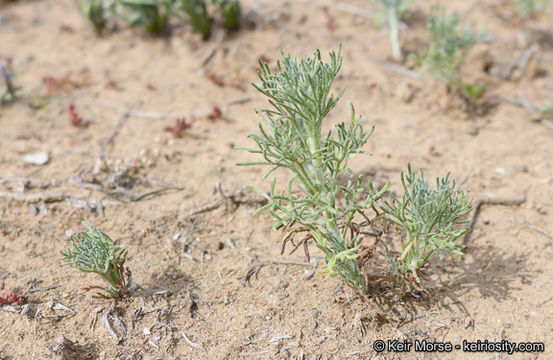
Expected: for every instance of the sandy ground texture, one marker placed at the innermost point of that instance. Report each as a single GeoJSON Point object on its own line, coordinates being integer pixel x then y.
{"type": "Point", "coordinates": [213, 284]}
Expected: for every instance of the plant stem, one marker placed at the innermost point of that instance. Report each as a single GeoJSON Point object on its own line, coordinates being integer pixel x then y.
{"type": "Point", "coordinates": [393, 22]}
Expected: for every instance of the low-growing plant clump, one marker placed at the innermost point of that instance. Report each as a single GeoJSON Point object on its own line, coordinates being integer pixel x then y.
{"type": "Point", "coordinates": [339, 217]}
{"type": "Point", "coordinates": [153, 15]}
{"type": "Point", "coordinates": [94, 251]}
{"type": "Point", "coordinates": [447, 49]}
{"type": "Point", "coordinates": [528, 8]}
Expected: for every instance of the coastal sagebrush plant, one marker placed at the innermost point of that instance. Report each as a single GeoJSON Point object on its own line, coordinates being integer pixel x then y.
{"type": "Point", "coordinates": [335, 214]}
{"type": "Point", "coordinates": [299, 95]}
{"type": "Point", "coordinates": [447, 49]}
{"type": "Point", "coordinates": [94, 251]}
{"type": "Point", "coordinates": [430, 218]}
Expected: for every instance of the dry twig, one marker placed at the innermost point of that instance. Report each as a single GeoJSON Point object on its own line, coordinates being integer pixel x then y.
{"type": "Point", "coordinates": [46, 196]}
{"type": "Point", "coordinates": [180, 114]}
{"type": "Point", "coordinates": [193, 344]}
{"type": "Point", "coordinates": [494, 202]}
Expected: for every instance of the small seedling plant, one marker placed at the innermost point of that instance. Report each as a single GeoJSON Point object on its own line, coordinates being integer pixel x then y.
{"type": "Point", "coordinates": [428, 218]}
{"type": "Point", "coordinates": [318, 208]}
{"type": "Point", "coordinates": [94, 251]}
{"type": "Point", "coordinates": [395, 11]}
{"type": "Point", "coordinates": [299, 95]}
{"type": "Point", "coordinates": [448, 47]}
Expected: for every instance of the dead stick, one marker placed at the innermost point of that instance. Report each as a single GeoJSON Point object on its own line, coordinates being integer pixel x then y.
{"type": "Point", "coordinates": [193, 344]}
{"type": "Point", "coordinates": [113, 134]}
{"type": "Point", "coordinates": [494, 202]}
{"type": "Point", "coordinates": [172, 115]}
{"type": "Point", "coordinates": [9, 86]}
{"type": "Point", "coordinates": [140, 197]}
{"type": "Point", "coordinates": [399, 69]}
{"type": "Point", "coordinates": [47, 196]}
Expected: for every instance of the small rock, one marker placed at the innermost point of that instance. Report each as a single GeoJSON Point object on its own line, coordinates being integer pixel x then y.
{"type": "Point", "coordinates": [33, 209]}
{"type": "Point", "coordinates": [523, 169]}
{"type": "Point", "coordinates": [63, 348]}
{"type": "Point", "coordinates": [501, 171]}
{"type": "Point", "coordinates": [37, 158]}
{"type": "Point", "coordinates": [472, 130]}
{"type": "Point", "coordinates": [405, 92]}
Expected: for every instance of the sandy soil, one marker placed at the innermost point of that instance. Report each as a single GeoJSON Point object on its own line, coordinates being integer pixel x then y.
{"type": "Point", "coordinates": [193, 285]}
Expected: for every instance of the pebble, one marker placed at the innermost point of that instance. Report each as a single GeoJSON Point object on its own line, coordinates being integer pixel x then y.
{"type": "Point", "coordinates": [472, 130]}
{"type": "Point", "coordinates": [37, 158]}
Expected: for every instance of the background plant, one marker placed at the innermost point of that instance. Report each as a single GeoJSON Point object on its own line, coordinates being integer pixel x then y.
{"type": "Point", "coordinates": [95, 12]}
{"type": "Point", "coordinates": [149, 14]}
{"type": "Point", "coordinates": [447, 48]}
{"type": "Point", "coordinates": [395, 11]}
{"type": "Point", "coordinates": [230, 13]}
{"type": "Point", "coordinates": [199, 18]}
{"type": "Point", "coordinates": [94, 251]}
{"type": "Point", "coordinates": [153, 15]}
{"type": "Point", "coordinates": [299, 95]}
{"type": "Point", "coordinates": [527, 8]}
{"type": "Point", "coordinates": [430, 219]}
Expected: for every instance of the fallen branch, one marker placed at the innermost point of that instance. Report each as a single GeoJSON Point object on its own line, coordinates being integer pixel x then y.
{"type": "Point", "coordinates": [493, 202]}
{"type": "Point", "coordinates": [532, 109]}
{"type": "Point", "coordinates": [355, 10]}
{"type": "Point", "coordinates": [46, 196]}
{"type": "Point", "coordinates": [192, 344]}
{"type": "Point", "coordinates": [232, 201]}
{"type": "Point", "coordinates": [113, 134]}
{"type": "Point", "coordinates": [171, 115]}
{"type": "Point", "coordinates": [10, 89]}
{"type": "Point", "coordinates": [399, 69]}
{"type": "Point", "coordinates": [132, 198]}
{"type": "Point", "coordinates": [254, 270]}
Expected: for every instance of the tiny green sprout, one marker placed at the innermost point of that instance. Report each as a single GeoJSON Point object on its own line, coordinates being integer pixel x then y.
{"type": "Point", "coordinates": [94, 251]}
{"type": "Point", "coordinates": [197, 13]}
{"type": "Point", "coordinates": [314, 203]}
{"type": "Point", "coordinates": [527, 8]}
{"type": "Point", "coordinates": [447, 49]}
{"type": "Point", "coordinates": [395, 11]}
{"type": "Point", "coordinates": [474, 91]}
{"type": "Point", "coordinates": [430, 219]}
{"type": "Point", "coordinates": [150, 14]}
{"type": "Point", "coordinates": [230, 13]}
{"type": "Point", "coordinates": [547, 111]}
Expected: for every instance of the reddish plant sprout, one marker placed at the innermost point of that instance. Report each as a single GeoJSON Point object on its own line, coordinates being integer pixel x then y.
{"type": "Point", "coordinates": [215, 114]}
{"type": "Point", "coordinates": [179, 127]}
{"type": "Point", "coordinates": [216, 79]}
{"type": "Point", "coordinates": [10, 297]}
{"type": "Point", "coordinates": [329, 19]}
{"type": "Point", "coordinates": [265, 58]}
{"type": "Point", "coordinates": [74, 118]}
